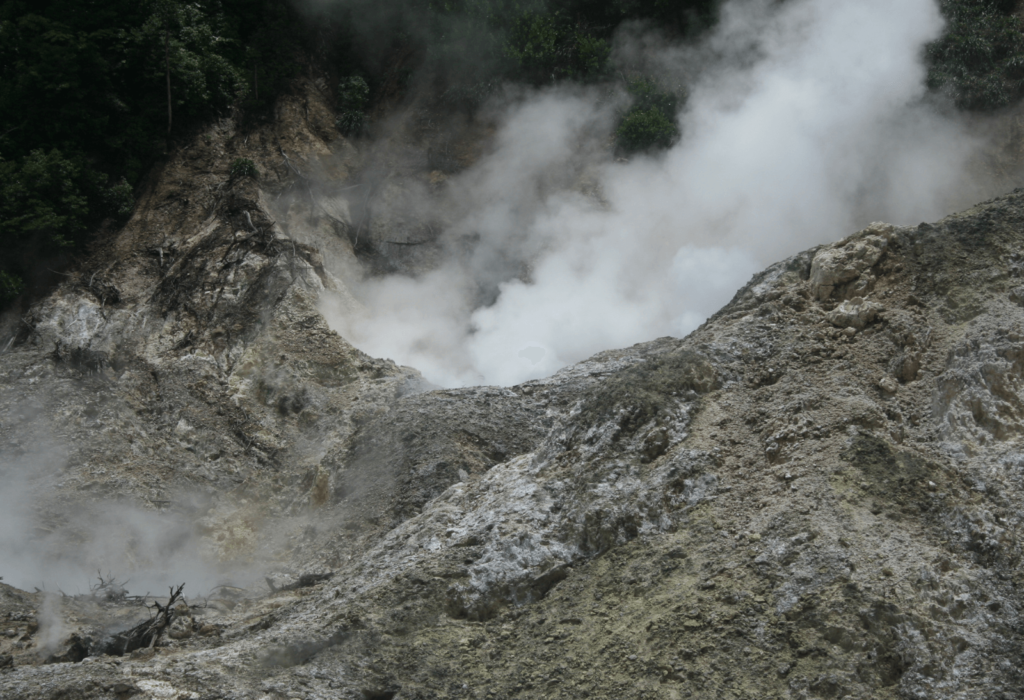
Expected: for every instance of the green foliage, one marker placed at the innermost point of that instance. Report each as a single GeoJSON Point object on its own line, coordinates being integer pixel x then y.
{"type": "Point", "coordinates": [470, 96]}
{"type": "Point", "coordinates": [10, 286]}
{"type": "Point", "coordinates": [534, 44]}
{"type": "Point", "coordinates": [243, 167]}
{"type": "Point", "coordinates": [353, 98]}
{"type": "Point", "coordinates": [354, 93]}
{"type": "Point", "coordinates": [590, 54]}
{"type": "Point", "coordinates": [547, 47]}
{"type": "Point", "coordinates": [41, 199]}
{"type": "Point", "coordinates": [647, 95]}
{"type": "Point", "coordinates": [474, 42]}
{"type": "Point", "coordinates": [674, 17]}
{"type": "Point", "coordinates": [202, 77]}
{"type": "Point", "coordinates": [120, 200]}
{"type": "Point", "coordinates": [979, 61]}
{"type": "Point", "coordinates": [350, 122]}
{"type": "Point", "coordinates": [83, 101]}
{"type": "Point", "coordinates": [650, 123]}
{"type": "Point", "coordinates": [645, 130]}
{"type": "Point", "coordinates": [270, 32]}
{"type": "Point", "coordinates": [464, 42]}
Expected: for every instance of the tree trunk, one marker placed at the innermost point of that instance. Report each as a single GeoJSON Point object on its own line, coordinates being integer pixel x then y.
{"type": "Point", "coordinates": [167, 65]}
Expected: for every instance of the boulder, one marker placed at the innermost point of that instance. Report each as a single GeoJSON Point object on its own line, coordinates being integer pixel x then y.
{"type": "Point", "coordinates": [844, 262]}
{"type": "Point", "coordinates": [856, 313]}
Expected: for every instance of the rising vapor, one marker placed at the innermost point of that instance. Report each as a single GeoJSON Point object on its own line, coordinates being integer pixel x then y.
{"type": "Point", "coordinates": [805, 121]}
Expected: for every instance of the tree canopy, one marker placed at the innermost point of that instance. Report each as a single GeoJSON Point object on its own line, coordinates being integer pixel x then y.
{"type": "Point", "coordinates": [92, 91]}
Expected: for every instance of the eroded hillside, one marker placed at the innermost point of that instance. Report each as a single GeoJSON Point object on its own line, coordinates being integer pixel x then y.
{"type": "Point", "coordinates": [816, 494]}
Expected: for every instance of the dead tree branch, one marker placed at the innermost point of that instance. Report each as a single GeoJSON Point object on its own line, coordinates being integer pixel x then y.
{"type": "Point", "coordinates": [146, 634]}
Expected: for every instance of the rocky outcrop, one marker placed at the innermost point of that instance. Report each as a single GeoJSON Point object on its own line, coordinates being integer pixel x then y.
{"type": "Point", "coordinates": [815, 495]}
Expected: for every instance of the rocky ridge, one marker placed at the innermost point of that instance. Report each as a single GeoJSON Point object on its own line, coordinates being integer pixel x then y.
{"type": "Point", "coordinates": [814, 495]}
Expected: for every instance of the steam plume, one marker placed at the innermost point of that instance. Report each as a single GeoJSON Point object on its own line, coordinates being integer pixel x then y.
{"type": "Point", "coordinates": [805, 121]}
{"type": "Point", "coordinates": [52, 545]}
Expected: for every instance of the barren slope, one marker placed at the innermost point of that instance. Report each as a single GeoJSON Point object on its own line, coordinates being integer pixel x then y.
{"type": "Point", "coordinates": [817, 494]}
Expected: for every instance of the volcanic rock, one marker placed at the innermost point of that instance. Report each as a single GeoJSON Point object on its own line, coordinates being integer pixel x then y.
{"type": "Point", "coordinates": [745, 512]}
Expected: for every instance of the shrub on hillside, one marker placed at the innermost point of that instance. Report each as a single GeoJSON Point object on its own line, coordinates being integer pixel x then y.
{"type": "Point", "coordinates": [10, 286]}
{"type": "Point", "coordinates": [120, 200]}
{"type": "Point", "coordinates": [353, 98]}
{"type": "Point", "coordinates": [650, 123]}
{"type": "Point", "coordinates": [243, 167]}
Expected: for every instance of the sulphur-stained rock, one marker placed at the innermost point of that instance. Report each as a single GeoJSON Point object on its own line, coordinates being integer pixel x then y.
{"type": "Point", "coordinates": [163, 690]}
{"type": "Point", "coordinates": [856, 313]}
{"type": "Point", "coordinates": [1017, 295]}
{"type": "Point", "coordinates": [888, 385]}
{"type": "Point", "coordinates": [843, 263]}
{"type": "Point", "coordinates": [979, 391]}
{"type": "Point", "coordinates": [906, 365]}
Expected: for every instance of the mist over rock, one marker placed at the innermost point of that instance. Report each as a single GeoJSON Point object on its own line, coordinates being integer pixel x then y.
{"type": "Point", "coordinates": [814, 494]}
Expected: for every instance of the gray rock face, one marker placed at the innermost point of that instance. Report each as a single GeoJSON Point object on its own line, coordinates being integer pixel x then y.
{"type": "Point", "coordinates": [847, 268]}
{"type": "Point", "coordinates": [815, 495]}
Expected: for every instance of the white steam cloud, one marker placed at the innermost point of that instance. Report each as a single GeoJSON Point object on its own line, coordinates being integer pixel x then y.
{"type": "Point", "coordinates": [804, 122]}
{"type": "Point", "coordinates": [56, 543]}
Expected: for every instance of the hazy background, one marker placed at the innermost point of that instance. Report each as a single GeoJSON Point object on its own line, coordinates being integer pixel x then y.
{"type": "Point", "coordinates": [806, 120]}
